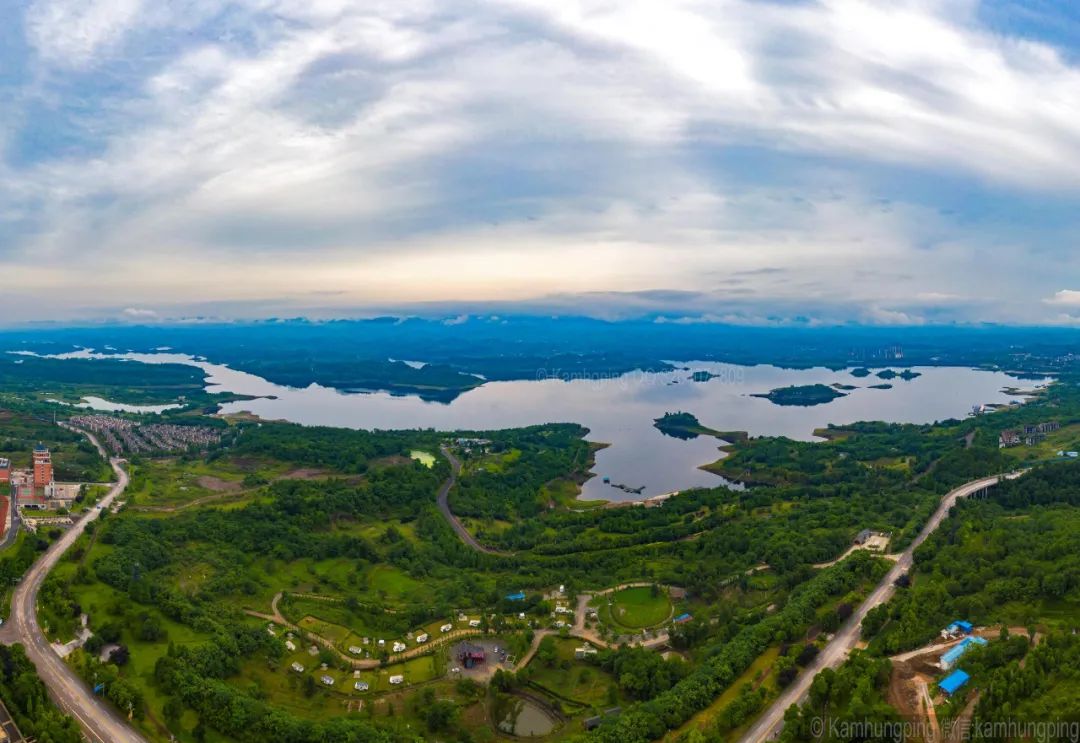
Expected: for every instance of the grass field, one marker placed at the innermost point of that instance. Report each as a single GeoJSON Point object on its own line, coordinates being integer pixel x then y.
{"type": "Point", "coordinates": [574, 679]}
{"type": "Point", "coordinates": [391, 583]}
{"type": "Point", "coordinates": [425, 458]}
{"type": "Point", "coordinates": [636, 608]}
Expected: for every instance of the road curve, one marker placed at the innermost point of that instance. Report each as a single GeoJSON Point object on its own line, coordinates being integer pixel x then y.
{"type": "Point", "coordinates": [444, 506]}
{"type": "Point", "coordinates": [98, 720]}
{"type": "Point", "coordinates": [837, 650]}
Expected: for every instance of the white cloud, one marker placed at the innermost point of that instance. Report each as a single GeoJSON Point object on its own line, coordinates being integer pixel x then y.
{"type": "Point", "coordinates": [1068, 297]}
{"type": "Point", "coordinates": [71, 32]}
{"type": "Point", "coordinates": [138, 313]}
{"type": "Point", "coordinates": [420, 150]}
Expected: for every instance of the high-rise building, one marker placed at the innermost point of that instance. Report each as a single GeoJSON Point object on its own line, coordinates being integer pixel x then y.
{"type": "Point", "coordinates": [43, 469]}
{"type": "Point", "coordinates": [5, 470]}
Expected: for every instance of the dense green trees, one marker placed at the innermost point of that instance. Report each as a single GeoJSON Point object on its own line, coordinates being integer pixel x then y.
{"type": "Point", "coordinates": [27, 700]}
{"type": "Point", "coordinates": [993, 558]}
{"type": "Point", "coordinates": [855, 692]}
{"type": "Point", "coordinates": [510, 488]}
{"type": "Point", "coordinates": [724, 661]}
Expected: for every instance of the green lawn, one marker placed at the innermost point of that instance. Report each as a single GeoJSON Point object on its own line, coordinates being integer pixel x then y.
{"type": "Point", "coordinates": [638, 607]}
{"type": "Point", "coordinates": [574, 679]}
{"type": "Point", "coordinates": [425, 458]}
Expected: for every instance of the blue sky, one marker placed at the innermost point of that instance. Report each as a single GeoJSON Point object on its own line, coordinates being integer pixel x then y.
{"type": "Point", "coordinates": [903, 161]}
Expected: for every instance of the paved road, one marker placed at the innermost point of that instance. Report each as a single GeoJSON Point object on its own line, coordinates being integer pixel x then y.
{"type": "Point", "coordinates": [837, 650]}
{"type": "Point", "coordinates": [16, 522]}
{"type": "Point", "coordinates": [444, 506]}
{"type": "Point", "coordinates": [98, 721]}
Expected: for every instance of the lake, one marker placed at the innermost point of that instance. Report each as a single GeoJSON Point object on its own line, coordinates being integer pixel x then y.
{"type": "Point", "coordinates": [620, 410]}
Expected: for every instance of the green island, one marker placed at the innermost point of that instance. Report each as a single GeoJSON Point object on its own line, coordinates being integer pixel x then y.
{"type": "Point", "coordinates": [683, 426]}
{"type": "Point", "coordinates": [906, 374]}
{"type": "Point", "coordinates": [270, 581]}
{"type": "Point", "coordinates": [804, 395]}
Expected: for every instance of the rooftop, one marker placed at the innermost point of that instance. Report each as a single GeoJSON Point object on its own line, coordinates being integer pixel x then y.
{"type": "Point", "coordinates": [954, 681]}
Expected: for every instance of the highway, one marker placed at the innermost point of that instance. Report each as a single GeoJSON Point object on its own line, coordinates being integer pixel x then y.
{"type": "Point", "coordinates": [97, 719]}
{"type": "Point", "coordinates": [837, 650]}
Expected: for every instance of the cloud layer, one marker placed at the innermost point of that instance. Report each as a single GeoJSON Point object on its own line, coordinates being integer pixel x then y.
{"type": "Point", "coordinates": [905, 161]}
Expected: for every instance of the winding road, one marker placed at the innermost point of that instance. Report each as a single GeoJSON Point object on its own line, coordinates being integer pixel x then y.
{"type": "Point", "coordinates": [444, 506]}
{"type": "Point", "coordinates": [97, 719]}
{"type": "Point", "coordinates": [837, 650]}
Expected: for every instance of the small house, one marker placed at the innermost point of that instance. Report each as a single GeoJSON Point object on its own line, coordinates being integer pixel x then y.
{"type": "Point", "coordinates": [290, 646]}
{"type": "Point", "coordinates": [471, 655]}
{"type": "Point", "coordinates": [297, 667]}
{"type": "Point", "coordinates": [422, 638]}
{"type": "Point", "coordinates": [446, 628]}
{"type": "Point", "coordinates": [355, 650]}
{"type": "Point", "coordinates": [328, 680]}
{"type": "Point", "coordinates": [474, 623]}
{"type": "Point", "coordinates": [361, 686]}
{"type": "Point", "coordinates": [398, 646]}
{"type": "Point", "coordinates": [584, 651]}
{"type": "Point", "coordinates": [683, 618]}
{"type": "Point", "coordinates": [398, 679]}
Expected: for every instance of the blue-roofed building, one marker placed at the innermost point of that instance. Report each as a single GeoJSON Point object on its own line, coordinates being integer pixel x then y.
{"type": "Point", "coordinates": [949, 659]}
{"type": "Point", "coordinates": [683, 618]}
{"type": "Point", "coordinates": [519, 596]}
{"type": "Point", "coordinates": [951, 683]}
{"type": "Point", "coordinates": [957, 628]}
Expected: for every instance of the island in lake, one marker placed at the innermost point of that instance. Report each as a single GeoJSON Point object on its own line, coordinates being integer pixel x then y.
{"type": "Point", "coordinates": [682, 425]}
{"type": "Point", "coordinates": [884, 386]}
{"type": "Point", "coordinates": [686, 426]}
{"type": "Point", "coordinates": [803, 395]}
{"type": "Point", "coordinates": [860, 372]}
{"type": "Point", "coordinates": [906, 375]}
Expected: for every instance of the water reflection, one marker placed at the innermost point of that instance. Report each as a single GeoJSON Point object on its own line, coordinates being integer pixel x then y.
{"type": "Point", "coordinates": [620, 411]}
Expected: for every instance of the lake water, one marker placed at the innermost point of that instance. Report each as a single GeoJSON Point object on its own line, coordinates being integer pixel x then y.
{"type": "Point", "coordinates": [620, 410]}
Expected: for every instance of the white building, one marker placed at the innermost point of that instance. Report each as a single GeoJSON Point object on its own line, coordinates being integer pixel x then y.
{"type": "Point", "coordinates": [361, 686]}
{"type": "Point", "coordinates": [422, 638]}
{"type": "Point", "coordinates": [355, 650]}
{"type": "Point", "coordinates": [297, 667]}
{"type": "Point", "coordinates": [398, 646]}
{"type": "Point", "coordinates": [446, 628]}
{"type": "Point", "coordinates": [328, 681]}
{"type": "Point", "coordinates": [395, 680]}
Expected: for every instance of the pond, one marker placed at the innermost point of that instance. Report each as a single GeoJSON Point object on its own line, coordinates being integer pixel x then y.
{"type": "Point", "coordinates": [527, 719]}
{"type": "Point", "coordinates": [620, 410]}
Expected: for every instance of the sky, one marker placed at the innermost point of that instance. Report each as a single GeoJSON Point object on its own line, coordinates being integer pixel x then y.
{"type": "Point", "coordinates": [893, 162]}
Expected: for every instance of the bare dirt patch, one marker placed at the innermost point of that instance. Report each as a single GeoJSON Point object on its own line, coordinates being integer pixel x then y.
{"type": "Point", "coordinates": [306, 473]}
{"type": "Point", "coordinates": [217, 485]}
